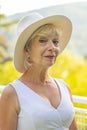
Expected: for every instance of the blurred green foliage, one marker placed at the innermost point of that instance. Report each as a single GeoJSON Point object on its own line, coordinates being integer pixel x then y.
{"type": "Point", "coordinates": [71, 68]}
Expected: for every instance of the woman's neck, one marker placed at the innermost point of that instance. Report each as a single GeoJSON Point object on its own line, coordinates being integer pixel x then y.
{"type": "Point", "coordinates": [36, 74]}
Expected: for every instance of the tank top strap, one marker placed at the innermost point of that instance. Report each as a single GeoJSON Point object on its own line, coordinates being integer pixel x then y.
{"type": "Point", "coordinates": [63, 87]}
{"type": "Point", "coordinates": [17, 86]}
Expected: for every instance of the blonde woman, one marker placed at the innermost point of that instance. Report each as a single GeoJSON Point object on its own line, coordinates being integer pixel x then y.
{"type": "Point", "coordinates": [36, 101]}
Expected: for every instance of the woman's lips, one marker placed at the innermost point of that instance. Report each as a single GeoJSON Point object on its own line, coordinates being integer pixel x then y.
{"type": "Point", "coordinates": [50, 56]}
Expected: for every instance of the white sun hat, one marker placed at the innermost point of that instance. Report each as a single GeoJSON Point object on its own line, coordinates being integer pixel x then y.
{"type": "Point", "coordinates": [29, 24]}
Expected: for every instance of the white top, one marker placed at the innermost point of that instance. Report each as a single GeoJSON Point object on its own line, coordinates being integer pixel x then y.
{"type": "Point", "coordinates": [37, 114]}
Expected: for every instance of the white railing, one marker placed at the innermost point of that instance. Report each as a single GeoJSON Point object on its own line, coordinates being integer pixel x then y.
{"type": "Point", "coordinates": [80, 113]}
{"type": "Point", "coordinates": [80, 99]}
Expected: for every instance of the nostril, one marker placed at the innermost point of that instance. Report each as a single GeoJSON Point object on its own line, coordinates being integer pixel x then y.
{"type": "Point", "coordinates": [51, 47]}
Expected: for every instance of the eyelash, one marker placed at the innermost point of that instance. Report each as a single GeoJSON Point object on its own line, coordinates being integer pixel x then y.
{"type": "Point", "coordinates": [55, 42]}
{"type": "Point", "coordinates": [42, 40]}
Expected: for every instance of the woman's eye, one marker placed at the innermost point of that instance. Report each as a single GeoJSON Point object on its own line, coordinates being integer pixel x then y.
{"type": "Point", "coordinates": [56, 42]}
{"type": "Point", "coordinates": [42, 41]}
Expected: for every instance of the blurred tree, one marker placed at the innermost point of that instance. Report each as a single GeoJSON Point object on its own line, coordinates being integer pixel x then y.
{"type": "Point", "coordinates": [5, 23]}
{"type": "Point", "coordinates": [4, 53]}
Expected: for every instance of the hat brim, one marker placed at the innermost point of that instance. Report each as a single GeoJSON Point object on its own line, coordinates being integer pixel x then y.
{"type": "Point", "coordinates": [59, 21]}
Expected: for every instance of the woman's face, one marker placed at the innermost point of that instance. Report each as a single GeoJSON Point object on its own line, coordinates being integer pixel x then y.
{"type": "Point", "coordinates": [45, 49]}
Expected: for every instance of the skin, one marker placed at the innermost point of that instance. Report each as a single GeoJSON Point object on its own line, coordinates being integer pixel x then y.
{"type": "Point", "coordinates": [37, 78]}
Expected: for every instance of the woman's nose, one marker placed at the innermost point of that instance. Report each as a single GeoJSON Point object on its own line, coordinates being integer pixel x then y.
{"type": "Point", "coordinates": [51, 45]}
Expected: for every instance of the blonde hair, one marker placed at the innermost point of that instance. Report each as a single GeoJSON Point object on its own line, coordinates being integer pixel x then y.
{"type": "Point", "coordinates": [42, 31]}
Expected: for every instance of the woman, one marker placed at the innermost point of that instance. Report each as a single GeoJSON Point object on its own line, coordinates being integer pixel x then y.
{"type": "Point", "coordinates": [36, 101]}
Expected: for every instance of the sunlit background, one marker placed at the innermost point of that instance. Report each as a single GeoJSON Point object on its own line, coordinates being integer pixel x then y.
{"type": "Point", "coordinates": [71, 65]}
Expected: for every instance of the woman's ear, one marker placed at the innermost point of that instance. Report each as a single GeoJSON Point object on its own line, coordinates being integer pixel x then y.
{"type": "Point", "coordinates": [27, 52]}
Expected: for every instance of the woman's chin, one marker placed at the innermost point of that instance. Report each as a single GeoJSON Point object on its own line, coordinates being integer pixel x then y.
{"type": "Point", "coordinates": [50, 64]}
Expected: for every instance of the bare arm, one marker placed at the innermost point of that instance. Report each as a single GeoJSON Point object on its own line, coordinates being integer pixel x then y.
{"type": "Point", "coordinates": [8, 109]}
{"type": "Point", "coordinates": [73, 126]}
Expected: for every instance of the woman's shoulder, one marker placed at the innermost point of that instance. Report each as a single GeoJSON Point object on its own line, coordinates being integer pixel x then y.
{"type": "Point", "coordinates": [7, 92]}
{"type": "Point", "coordinates": [60, 81]}
{"type": "Point", "coordinates": [8, 96]}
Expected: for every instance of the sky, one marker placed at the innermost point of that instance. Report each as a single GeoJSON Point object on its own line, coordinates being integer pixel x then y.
{"type": "Point", "coordinates": [10, 7]}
